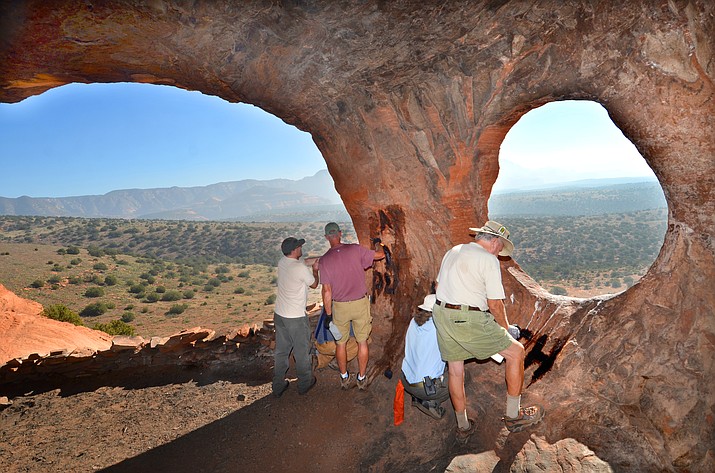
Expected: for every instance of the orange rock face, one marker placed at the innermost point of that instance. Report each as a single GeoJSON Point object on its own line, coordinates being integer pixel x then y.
{"type": "Point", "coordinates": [23, 331]}
{"type": "Point", "coordinates": [409, 101]}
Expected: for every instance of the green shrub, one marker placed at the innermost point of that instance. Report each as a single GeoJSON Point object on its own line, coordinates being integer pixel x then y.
{"type": "Point", "coordinates": [37, 284]}
{"type": "Point", "coordinates": [62, 313]}
{"type": "Point", "coordinates": [239, 290]}
{"type": "Point", "coordinates": [160, 289]}
{"type": "Point", "coordinates": [115, 327]}
{"type": "Point", "coordinates": [74, 280]}
{"type": "Point", "coordinates": [94, 310]}
{"type": "Point", "coordinates": [152, 297]}
{"type": "Point", "coordinates": [558, 291]}
{"type": "Point", "coordinates": [100, 266]}
{"type": "Point", "coordinates": [75, 261]}
{"type": "Point", "coordinates": [189, 294]}
{"type": "Point", "coordinates": [136, 289]}
{"type": "Point", "coordinates": [244, 274]}
{"type": "Point", "coordinates": [110, 280]}
{"type": "Point", "coordinates": [95, 251]}
{"type": "Point", "coordinates": [171, 296]}
{"type": "Point", "coordinates": [177, 309]}
{"type": "Point", "coordinates": [270, 300]}
{"type": "Point", "coordinates": [94, 292]}
{"type": "Point", "coordinates": [61, 251]}
{"type": "Point", "coordinates": [54, 279]}
{"type": "Point", "coordinates": [215, 282]}
{"type": "Point", "coordinates": [72, 250]}
{"type": "Point", "coordinates": [128, 317]}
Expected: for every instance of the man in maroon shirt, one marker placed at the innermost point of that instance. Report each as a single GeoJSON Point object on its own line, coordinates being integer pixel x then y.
{"type": "Point", "coordinates": [342, 275]}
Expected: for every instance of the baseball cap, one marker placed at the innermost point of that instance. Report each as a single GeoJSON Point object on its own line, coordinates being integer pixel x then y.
{"type": "Point", "coordinates": [290, 244]}
{"type": "Point", "coordinates": [332, 228]}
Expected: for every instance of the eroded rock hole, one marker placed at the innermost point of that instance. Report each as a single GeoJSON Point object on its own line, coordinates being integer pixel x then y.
{"type": "Point", "coordinates": [585, 211]}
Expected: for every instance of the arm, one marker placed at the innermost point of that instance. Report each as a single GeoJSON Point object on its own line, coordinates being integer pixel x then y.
{"type": "Point", "coordinates": [498, 310]}
{"type": "Point", "coordinates": [328, 299]}
{"type": "Point", "coordinates": [315, 274]}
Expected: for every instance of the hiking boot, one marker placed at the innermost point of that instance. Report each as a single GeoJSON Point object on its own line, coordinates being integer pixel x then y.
{"type": "Point", "coordinates": [348, 382]}
{"type": "Point", "coordinates": [280, 390]}
{"type": "Point", "coordinates": [362, 383]}
{"type": "Point", "coordinates": [312, 383]}
{"type": "Point", "coordinates": [528, 416]}
{"type": "Point", "coordinates": [432, 409]}
{"type": "Point", "coordinates": [462, 435]}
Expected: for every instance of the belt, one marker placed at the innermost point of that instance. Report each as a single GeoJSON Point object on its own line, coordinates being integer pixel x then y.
{"type": "Point", "coordinates": [459, 307]}
{"type": "Point", "coordinates": [421, 384]}
{"type": "Point", "coordinates": [354, 300]}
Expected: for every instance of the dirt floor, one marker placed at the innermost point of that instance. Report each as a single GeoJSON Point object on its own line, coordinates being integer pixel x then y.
{"type": "Point", "coordinates": [227, 420]}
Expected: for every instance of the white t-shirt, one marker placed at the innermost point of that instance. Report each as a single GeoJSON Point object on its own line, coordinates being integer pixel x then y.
{"type": "Point", "coordinates": [469, 275]}
{"type": "Point", "coordinates": [294, 277]}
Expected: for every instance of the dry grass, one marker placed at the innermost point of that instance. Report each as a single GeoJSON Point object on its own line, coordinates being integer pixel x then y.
{"type": "Point", "coordinates": [221, 309]}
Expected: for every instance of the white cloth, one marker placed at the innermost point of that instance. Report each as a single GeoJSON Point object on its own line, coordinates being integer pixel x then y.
{"type": "Point", "coordinates": [422, 357]}
{"type": "Point", "coordinates": [294, 277]}
{"type": "Point", "coordinates": [469, 275]}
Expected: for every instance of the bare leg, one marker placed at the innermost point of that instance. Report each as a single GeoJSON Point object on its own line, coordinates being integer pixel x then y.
{"type": "Point", "coordinates": [514, 357]}
{"type": "Point", "coordinates": [456, 385]}
{"type": "Point", "coordinates": [363, 355]}
{"type": "Point", "coordinates": [341, 354]}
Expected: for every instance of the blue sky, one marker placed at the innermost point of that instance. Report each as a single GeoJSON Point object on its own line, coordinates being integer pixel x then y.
{"type": "Point", "coordinates": [84, 139]}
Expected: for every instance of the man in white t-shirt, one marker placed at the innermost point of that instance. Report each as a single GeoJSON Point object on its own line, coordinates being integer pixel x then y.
{"type": "Point", "coordinates": [471, 322]}
{"type": "Point", "coordinates": [292, 326]}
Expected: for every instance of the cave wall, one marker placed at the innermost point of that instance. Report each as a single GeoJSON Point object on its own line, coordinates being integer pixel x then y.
{"type": "Point", "coordinates": [409, 101]}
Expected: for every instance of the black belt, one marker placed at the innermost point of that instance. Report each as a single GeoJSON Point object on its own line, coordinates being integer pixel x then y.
{"type": "Point", "coordinates": [459, 307]}
{"type": "Point", "coordinates": [421, 384]}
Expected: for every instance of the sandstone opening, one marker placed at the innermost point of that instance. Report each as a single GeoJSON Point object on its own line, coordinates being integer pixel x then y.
{"type": "Point", "coordinates": [588, 214]}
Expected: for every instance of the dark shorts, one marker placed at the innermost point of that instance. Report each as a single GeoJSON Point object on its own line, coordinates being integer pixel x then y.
{"type": "Point", "coordinates": [465, 334]}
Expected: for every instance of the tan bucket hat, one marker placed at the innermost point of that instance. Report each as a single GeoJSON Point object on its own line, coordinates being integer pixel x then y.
{"type": "Point", "coordinates": [496, 228]}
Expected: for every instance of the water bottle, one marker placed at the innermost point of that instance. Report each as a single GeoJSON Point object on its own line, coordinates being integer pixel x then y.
{"type": "Point", "coordinates": [334, 330]}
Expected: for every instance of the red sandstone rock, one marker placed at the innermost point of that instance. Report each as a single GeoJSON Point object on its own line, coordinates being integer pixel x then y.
{"type": "Point", "coordinates": [23, 331]}
{"type": "Point", "coordinates": [409, 101]}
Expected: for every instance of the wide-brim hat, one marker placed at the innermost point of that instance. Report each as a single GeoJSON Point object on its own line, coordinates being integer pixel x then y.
{"type": "Point", "coordinates": [497, 229]}
{"type": "Point", "coordinates": [430, 300]}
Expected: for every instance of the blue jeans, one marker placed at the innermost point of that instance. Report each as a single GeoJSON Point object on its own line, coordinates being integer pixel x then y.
{"type": "Point", "coordinates": [292, 335]}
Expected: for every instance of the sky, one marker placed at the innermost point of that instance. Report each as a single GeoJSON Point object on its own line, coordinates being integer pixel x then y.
{"type": "Point", "coordinates": [90, 139]}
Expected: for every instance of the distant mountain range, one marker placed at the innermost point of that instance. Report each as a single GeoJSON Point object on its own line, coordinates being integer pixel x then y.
{"type": "Point", "coordinates": [237, 200]}
{"type": "Point", "coordinates": [314, 199]}
{"type": "Point", "coordinates": [581, 198]}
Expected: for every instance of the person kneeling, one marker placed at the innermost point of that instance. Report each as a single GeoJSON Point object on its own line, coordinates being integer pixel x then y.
{"type": "Point", "coordinates": [423, 374]}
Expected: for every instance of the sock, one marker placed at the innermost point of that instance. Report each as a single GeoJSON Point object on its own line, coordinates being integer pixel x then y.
{"type": "Point", "coordinates": [462, 421]}
{"type": "Point", "coordinates": [360, 378]}
{"type": "Point", "coordinates": [513, 404]}
{"type": "Point", "coordinates": [344, 375]}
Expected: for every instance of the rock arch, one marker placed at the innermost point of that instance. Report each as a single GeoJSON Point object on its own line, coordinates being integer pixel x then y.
{"type": "Point", "coordinates": [409, 102]}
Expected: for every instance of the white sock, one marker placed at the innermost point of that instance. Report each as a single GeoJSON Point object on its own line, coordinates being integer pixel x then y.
{"type": "Point", "coordinates": [462, 421]}
{"type": "Point", "coordinates": [344, 375]}
{"type": "Point", "coordinates": [360, 378]}
{"type": "Point", "coordinates": [513, 404]}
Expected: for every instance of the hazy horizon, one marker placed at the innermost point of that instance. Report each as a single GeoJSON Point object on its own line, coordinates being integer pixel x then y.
{"type": "Point", "coordinates": [92, 139]}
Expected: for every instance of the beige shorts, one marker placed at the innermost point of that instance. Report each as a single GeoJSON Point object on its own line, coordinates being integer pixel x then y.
{"type": "Point", "coordinates": [465, 334]}
{"type": "Point", "coordinates": [357, 312]}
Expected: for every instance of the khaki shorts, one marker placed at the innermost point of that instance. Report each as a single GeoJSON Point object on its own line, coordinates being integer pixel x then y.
{"type": "Point", "coordinates": [357, 312]}
{"type": "Point", "coordinates": [464, 334]}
